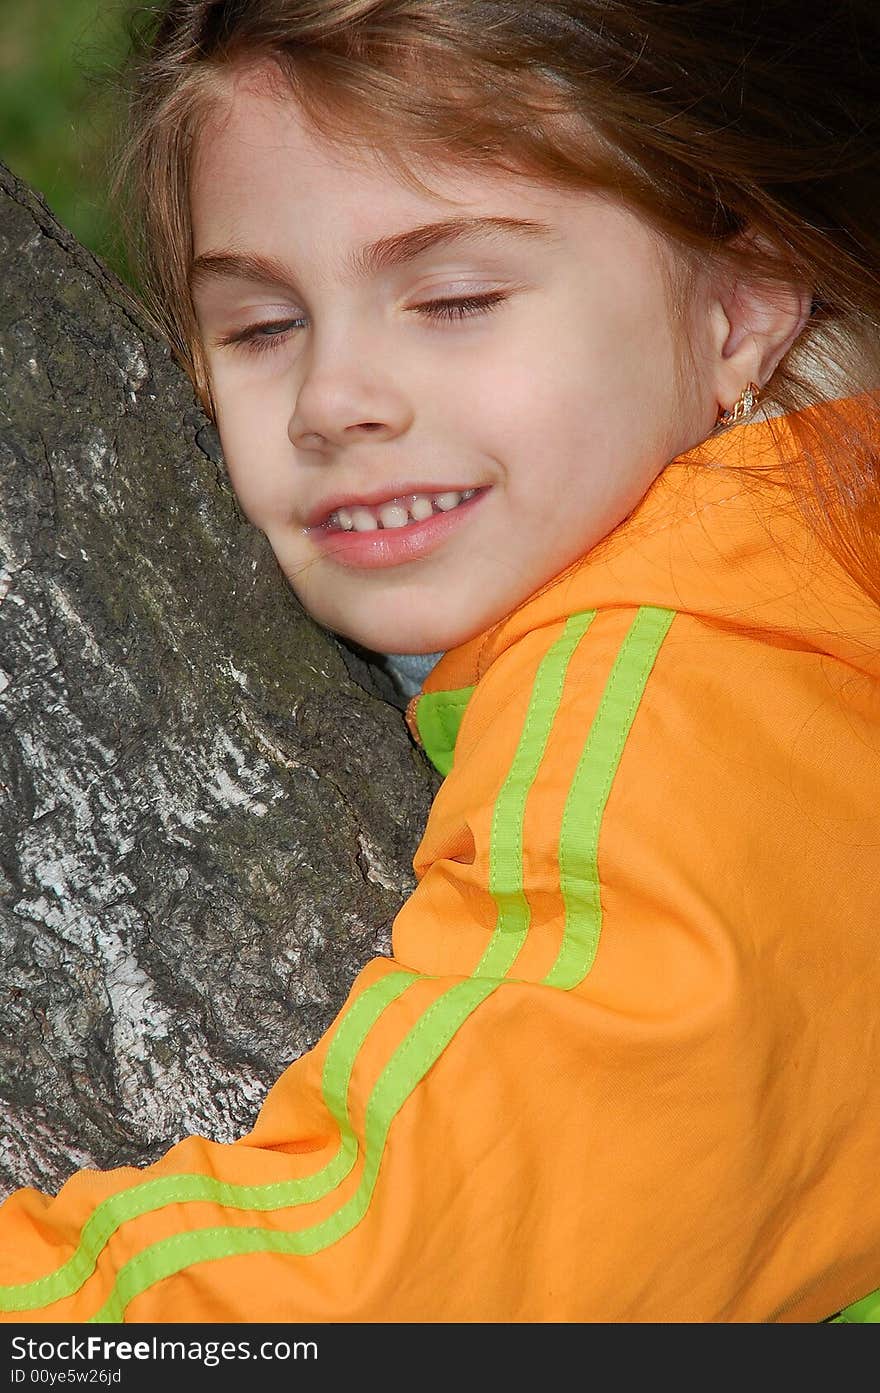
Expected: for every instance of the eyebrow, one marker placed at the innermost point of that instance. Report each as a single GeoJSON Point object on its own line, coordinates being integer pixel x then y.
{"type": "Point", "coordinates": [369, 260]}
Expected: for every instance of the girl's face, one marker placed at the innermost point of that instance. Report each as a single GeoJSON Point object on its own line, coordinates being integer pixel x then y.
{"type": "Point", "coordinates": [369, 343]}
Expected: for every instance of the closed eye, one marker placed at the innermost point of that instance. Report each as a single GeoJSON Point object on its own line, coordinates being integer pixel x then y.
{"type": "Point", "coordinates": [262, 338]}
{"type": "Point", "coordinates": [461, 307]}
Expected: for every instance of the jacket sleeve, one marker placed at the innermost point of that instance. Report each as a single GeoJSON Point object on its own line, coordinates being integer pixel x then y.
{"type": "Point", "coordinates": [572, 1094]}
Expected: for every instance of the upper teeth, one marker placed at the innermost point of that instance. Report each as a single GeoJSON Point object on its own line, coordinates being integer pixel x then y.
{"type": "Point", "coordinates": [397, 512]}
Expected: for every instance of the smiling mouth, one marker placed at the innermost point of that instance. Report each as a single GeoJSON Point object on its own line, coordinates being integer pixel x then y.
{"type": "Point", "coordinates": [395, 512]}
{"type": "Point", "coordinates": [404, 538]}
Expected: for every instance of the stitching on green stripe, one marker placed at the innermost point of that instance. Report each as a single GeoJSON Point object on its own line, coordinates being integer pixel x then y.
{"type": "Point", "coordinates": [445, 702]}
{"type": "Point", "coordinates": [357, 1023]}
{"type": "Point", "coordinates": [447, 709]}
{"type": "Point", "coordinates": [439, 701]}
{"type": "Point", "coordinates": [589, 791]}
{"type": "Point", "coordinates": [173, 1189]}
{"type": "Point", "coordinates": [394, 1086]}
{"type": "Point", "coordinates": [505, 841]}
{"type": "Point", "coordinates": [438, 717]}
{"type": "Point", "coordinates": [450, 713]}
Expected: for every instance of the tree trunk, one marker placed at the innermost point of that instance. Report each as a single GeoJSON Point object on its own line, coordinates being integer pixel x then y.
{"type": "Point", "coordinates": [208, 805]}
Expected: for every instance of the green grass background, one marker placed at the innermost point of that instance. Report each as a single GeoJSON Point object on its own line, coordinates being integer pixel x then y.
{"type": "Point", "coordinates": [59, 108]}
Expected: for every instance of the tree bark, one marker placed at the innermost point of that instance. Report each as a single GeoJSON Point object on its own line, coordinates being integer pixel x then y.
{"type": "Point", "coordinates": [208, 805]}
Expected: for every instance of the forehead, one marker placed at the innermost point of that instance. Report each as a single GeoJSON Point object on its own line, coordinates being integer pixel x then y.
{"type": "Point", "coordinates": [261, 171]}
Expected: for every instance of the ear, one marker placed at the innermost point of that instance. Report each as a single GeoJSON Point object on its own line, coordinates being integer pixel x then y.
{"type": "Point", "coordinates": [753, 325]}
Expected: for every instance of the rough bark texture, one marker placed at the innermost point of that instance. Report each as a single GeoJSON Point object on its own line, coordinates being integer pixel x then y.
{"type": "Point", "coordinates": [208, 806]}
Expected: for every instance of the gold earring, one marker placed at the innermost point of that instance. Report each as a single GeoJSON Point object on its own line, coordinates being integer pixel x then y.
{"type": "Point", "coordinates": [744, 406]}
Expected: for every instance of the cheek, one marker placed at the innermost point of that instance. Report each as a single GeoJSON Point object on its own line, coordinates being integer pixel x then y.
{"type": "Point", "coordinates": [253, 436]}
{"type": "Point", "coordinates": [545, 408]}
{"type": "Point", "coordinates": [619, 364]}
{"type": "Point", "coordinates": [262, 489]}
{"type": "Point", "coordinates": [534, 388]}
{"type": "Point", "coordinates": [577, 410]}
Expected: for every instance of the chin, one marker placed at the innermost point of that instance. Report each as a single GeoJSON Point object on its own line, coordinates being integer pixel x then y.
{"type": "Point", "coordinates": [388, 641]}
{"type": "Point", "coordinates": [406, 636]}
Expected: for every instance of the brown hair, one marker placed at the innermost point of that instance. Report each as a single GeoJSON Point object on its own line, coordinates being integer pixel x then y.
{"type": "Point", "coordinates": [711, 119]}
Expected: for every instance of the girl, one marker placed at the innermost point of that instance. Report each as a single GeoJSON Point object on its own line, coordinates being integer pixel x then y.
{"type": "Point", "coordinates": [483, 298]}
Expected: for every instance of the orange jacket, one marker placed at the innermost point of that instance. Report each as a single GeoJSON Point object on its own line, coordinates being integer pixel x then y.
{"type": "Point", "coordinates": [624, 1062]}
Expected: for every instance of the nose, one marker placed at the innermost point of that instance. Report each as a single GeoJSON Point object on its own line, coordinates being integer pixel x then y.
{"type": "Point", "coordinates": [344, 398]}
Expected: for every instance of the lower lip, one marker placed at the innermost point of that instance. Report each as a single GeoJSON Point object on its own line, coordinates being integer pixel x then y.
{"type": "Point", "coordinates": [393, 546]}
